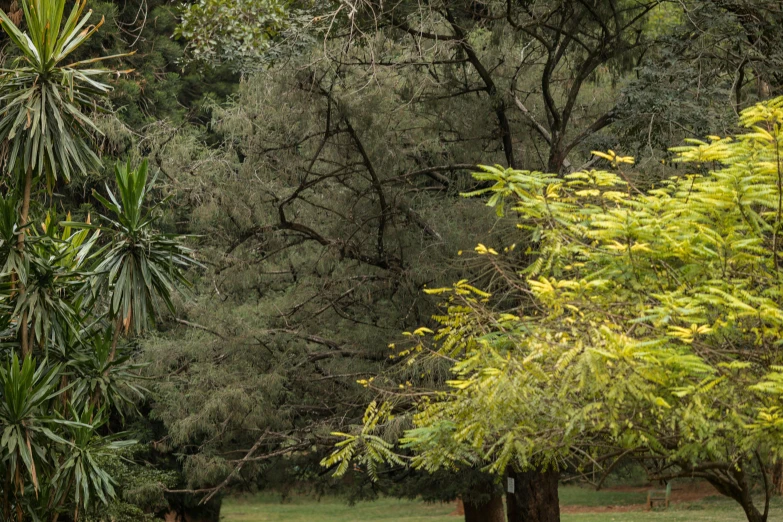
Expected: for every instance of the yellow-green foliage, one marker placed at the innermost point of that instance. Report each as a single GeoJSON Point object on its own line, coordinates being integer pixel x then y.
{"type": "Point", "coordinates": [652, 325]}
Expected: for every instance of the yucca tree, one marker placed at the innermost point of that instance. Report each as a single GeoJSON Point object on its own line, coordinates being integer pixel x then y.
{"type": "Point", "coordinates": [45, 127]}
{"type": "Point", "coordinates": [87, 284]}
{"type": "Point", "coordinates": [142, 264]}
{"type": "Point", "coordinates": [45, 100]}
{"type": "Point", "coordinates": [68, 290]}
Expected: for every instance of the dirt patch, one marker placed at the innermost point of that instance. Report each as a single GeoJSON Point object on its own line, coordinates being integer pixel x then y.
{"type": "Point", "coordinates": [601, 509]}
{"type": "Point", "coordinates": [681, 493]}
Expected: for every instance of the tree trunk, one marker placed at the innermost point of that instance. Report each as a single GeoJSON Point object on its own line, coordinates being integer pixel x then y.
{"type": "Point", "coordinates": [534, 498]}
{"type": "Point", "coordinates": [492, 511]}
{"type": "Point", "coordinates": [777, 477]}
{"type": "Point", "coordinates": [752, 513]}
{"type": "Point", "coordinates": [763, 89]}
{"type": "Point", "coordinates": [556, 160]}
{"type": "Point", "coordinates": [28, 185]}
{"type": "Point", "coordinates": [186, 508]}
{"type": "Point", "coordinates": [745, 496]}
{"type": "Point", "coordinates": [26, 342]}
{"type": "Point", "coordinates": [734, 483]}
{"type": "Point", "coordinates": [115, 339]}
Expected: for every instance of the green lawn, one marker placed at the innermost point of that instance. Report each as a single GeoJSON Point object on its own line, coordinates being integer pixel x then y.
{"type": "Point", "coordinates": [267, 508]}
{"type": "Point", "coordinates": [264, 508]}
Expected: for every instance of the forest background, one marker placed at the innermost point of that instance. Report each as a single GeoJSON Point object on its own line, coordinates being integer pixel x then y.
{"type": "Point", "coordinates": [315, 153]}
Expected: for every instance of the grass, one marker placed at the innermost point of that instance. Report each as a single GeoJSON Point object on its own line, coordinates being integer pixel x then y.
{"type": "Point", "coordinates": [267, 508]}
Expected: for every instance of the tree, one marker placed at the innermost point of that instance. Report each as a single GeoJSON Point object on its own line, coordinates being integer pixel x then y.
{"type": "Point", "coordinates": [647, 326]}
{"type": "Point", "coordinates": [550, 53]}
{"type": "Point", "coordinates": [64, 376]}
{"type": "Point", "coordinates": [319, 237]}
{"type": "Point", "coordinates": [374, 206]}
{"type": "Point", "coordinates": [478, 494]}
{"type": "Point", "coordinates": [233, 31]}
{"type": "Point", "coordinates": [705, 51]}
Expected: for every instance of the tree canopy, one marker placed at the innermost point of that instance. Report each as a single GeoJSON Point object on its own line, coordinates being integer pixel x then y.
{"type": "Point", "coordinates": [313, 156]}
{"type": "Point", "coordinates": [647, 326]}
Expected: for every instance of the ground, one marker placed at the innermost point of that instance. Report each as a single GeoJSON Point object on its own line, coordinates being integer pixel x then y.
{"type": "Point", "coordinates": [690, 503]}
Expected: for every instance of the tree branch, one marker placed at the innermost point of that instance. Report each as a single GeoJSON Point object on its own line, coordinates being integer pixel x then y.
{"type": "Point", "coordinates": [497, 100]}
{"type": "Point", "coordinates": [536, 125]}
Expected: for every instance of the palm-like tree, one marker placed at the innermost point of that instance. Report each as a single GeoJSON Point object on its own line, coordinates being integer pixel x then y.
{"type": "Point", "coordinates": [44, 99]}
{"type": "Point", "coordinates": [68, 290]}
{"type": "Point", "coordinates": [44, 127]}
{"type": "Point", "coordinates": [142, 263]}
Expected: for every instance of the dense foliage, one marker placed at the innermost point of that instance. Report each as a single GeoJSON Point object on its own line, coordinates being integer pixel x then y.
{"type": "Point", "coordinates": [325, 193]}
{"type": "Point", "coordinates": [648, 325]}
{"type": "Point", "coordinates": [70, 290]}
{"type": "Point", "coordinates": [316, 151]}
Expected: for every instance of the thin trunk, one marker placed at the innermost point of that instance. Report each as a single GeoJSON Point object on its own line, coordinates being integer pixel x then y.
{"type": "Point", "coordinates": [777, 476]}
{"type": "Point", "coordinates": [745, 496]}
{"type": "Point", "coordinates": [492, 511]}
{"type": "Point", "coordinates": [557, 153]}
{"type": "Point", "coordinates": [19, 486]}
{"type": "Point", "coordinates": [555, 163]}
{"type": "Point", "coordinates": [6, 499]}
{"type": "Point", "coordinates": [115, 340]}
{"type": "Point", "coordinates": [763, 89]}
{"type": "Point", "coordinates": [64, 396]}
{"type": "Point", "coordinates": [62, 499]}
{"type": "Point", "coordinates": [534, 497]}
{"type": "Point", "coordinates": [25, 332]}
{"type": "Point", "coordinates": [752, 513]}
{"type": "Point", "coordinates": [738, 86]}
{"type": "Point", "coordinates": [28, 184]}
{"type": "Point", "coordinates": [187, 508]}
{"type": "Point", "coordinates": [734, 483]}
